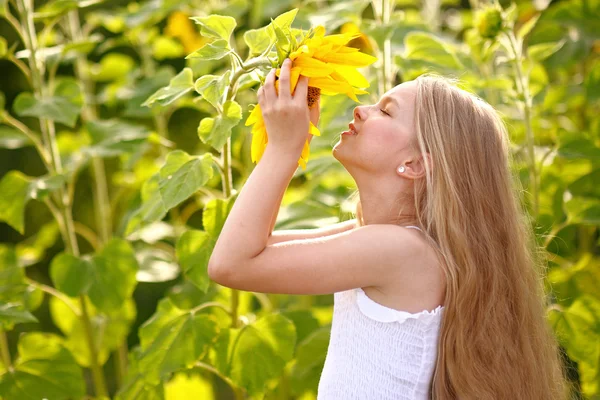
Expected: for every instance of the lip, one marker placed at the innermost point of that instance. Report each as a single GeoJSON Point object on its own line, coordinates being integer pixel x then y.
{"type": "Point", "coordinates": [351, 129]}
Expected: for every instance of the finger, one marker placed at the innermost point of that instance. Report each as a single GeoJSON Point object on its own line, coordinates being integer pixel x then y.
{"type": "Point", "coordinates": [269, 88]}
{"type": "Point", "coordinates": [301, 89]}
{"type": "Point", "coordinates": [284, 80]}
{"type": "Point", "coordinates": [315, 112]}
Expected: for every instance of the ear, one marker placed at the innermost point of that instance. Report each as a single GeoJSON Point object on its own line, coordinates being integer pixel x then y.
{"type": "Point", "coordinates": [415, 168]}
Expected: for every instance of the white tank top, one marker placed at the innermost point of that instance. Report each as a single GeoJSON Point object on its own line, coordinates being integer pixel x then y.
{"type": "Point", "coordinates": [378, 353]}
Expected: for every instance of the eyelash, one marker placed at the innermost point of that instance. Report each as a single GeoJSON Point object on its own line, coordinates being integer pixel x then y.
{"type": "Point", "coordinates": [385, 112]}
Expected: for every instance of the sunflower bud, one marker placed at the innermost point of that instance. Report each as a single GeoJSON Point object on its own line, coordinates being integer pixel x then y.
{"type": "Point", "coordinates": [489, 22]}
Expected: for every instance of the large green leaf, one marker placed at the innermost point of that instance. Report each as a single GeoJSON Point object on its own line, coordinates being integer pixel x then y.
{"type": "Point", "coordinates": [179, 85]}
{"type": "Point", "coordinates": [135, 387]}
{"type": "Point", "coordinates": [428, 47]}
{"type": "Point", "coordinates": [12, 313]}
{"type": "Point", "coordinates": [44, 370]}
{"type": "Point", "coordinates": [194, 249]}
{"type": "Point", "coordinates": [567, 282]}
{"type": "Point", "coordinates": [112, 67]}
{"type": "Point", "coordinates": [216, 131]}
{"type": "Point", "coordinates": [55, 108]}
{"type": "Point", "coordinates": [216, 26]}
{"type": "Point", "coordinates": [259, 40]}
{"type": "Point", "coordinates": [173, 339]}
{"type": "Point", "coordinates": [215, 213]}
{"type": "Point", "coordinates": [587, 185]}
{"type": "Point", "coordinates": [114, 270]}
{"type": "Point", "coordinates": [13, 288]}
{"type": "Point", "coordinates": [592, 82]}
{"type": "Point", "coordinates": [256, 353]}
{"type": "Point", "coordinates": [14, 187]}
{"type": "Point", "coordinates": [180, 177]}
{"type": "Point", "coordinates": [109, 330]}
{"type": "Point", "coordinates": [11, 138]}
{"type": "Point", "coordinates": [114, 137]}
{"type": "Point", "coordinates": [212, 51]}
{"type": "Point", "coordinates": [71, 275]}
{"type": "Point", "coordinates": [583, 210]}
{"type": "Point", "coordinates": [310, 358]}
{"type": "Point", "coordinates": [212, 87]}
{"type": "Point", "coordinates": [578, 329]}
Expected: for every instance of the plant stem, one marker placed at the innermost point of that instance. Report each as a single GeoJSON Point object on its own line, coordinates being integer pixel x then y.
{"type": "Point", "coordinates": [59, 295]}
{"type": "Point", "coordinates": [523, 87]}
{"type": "Point", "coordinates": [4, 351]}
{"type": "Point", "coordinates": [239, 394]}
{"type": "Point", "coordinates": [97, 373]}
{"type": "Point", "coordinates": [25, 8]}
{"type": "Point", "coordinates": [89, 113]}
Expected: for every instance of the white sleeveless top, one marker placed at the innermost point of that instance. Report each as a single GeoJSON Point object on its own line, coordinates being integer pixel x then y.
{"type": "Point", "coordinates": [378, 353]}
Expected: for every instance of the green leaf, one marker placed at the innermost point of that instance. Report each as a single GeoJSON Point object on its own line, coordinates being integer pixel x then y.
{"type": "Point", "coordinates": [114, 137]}
{"type": "Point", "coordinates": [258, 40]}
{"type": "Point", "coordinates": [569, 282]}
{"type": "Point", "coordinates": [528, 26]}
{"type": "Point", "coordinates": [12, 277]}
{"type": "Point", "coordinates": [428, 47]}
{"type": "Point", "coordinates": [592, 82]}
{"type": "Point", "coordinates": [112, 67]}
{"type": "Point", "coordinates": [177, 180]}
{"type": "Point", "coordinates": [56, 8]}
{"type": "Point", "coordinates": [310, 359]}
{"type": "Point", "coordinates": [109, 330]}
{"type": "Point", "coordinates": [44, 370]}
{"type": "Point", "coordinates": [541, 51]}
{"type": "Point", "coordinates": [579, 148]}
{"type": "Point", "coordinates": [273, 337]}
{"type": "Point", "coordinates": [33, 249]}
{"type": "Point", "coordinates": [165, 47]}
{"type": "Point", "coordinates": [215, 213]}
{"type": "Point", "coordinates": [578, 329]}
{"type": "Point", "coordinates": [587, 185]}
{"type": "Point", "coordinates": [135, 387]}
{"type": "Point", "coordinates": [71, 275]}
{"type": "Point", "coordinates": [44, 185]}
{"type": "Point", "coordinates": [216, 26]}
{"type": "Point", "coordinates": [212, 88]}
{"type": "Point", "coordinates": [12, 313]}
{"type": "Point", "coordinates": [14, 187]}
{"type": "Point", "coordinates": [54, 108]}
{"type": "Point", "coordinates": [194, 249]}
{"type": "Point", "coordinates": [18, 189]}
{"type": "Point", "coordinates": [11, 138]}
{"type": "Point", "coordinates": [114, 270]}
{"type": "Point", "coordinates": [216, 131]}
{"type": "Point", "coordinates": [583, 210]}
{"type": "Point", "coordinates": [173, 339]}
{"type": "Point", "coordinates": [178, 86]}
{"type": "Point", "coordinates": [212, 50]}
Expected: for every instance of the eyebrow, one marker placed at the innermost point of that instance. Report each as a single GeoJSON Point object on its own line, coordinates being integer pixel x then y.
{"type": "Point", "coordinates": [389, 99]}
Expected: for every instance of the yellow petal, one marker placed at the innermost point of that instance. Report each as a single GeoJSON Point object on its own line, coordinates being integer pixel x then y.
{"type": "Point", "coordinates": [254, 116]}
{"type": "Point", "coordinates": [294, 76]}
{"type": "Point", "coordinates": [312, 67]}
{"type": "Point", "coordinates": [329, 85]}
{"type": "Point", "coordinates": [349, 74]}
{"type": "Point", "coordinates": [356, 59]}
{"type": "Point", "coordinates": [319, 31]}
{"type": "Point", "coordinates": [340, 39]}
{"type": "Point", "coordinates": [259, 142]}
{"type": "Point", "coordinates": [313, 130]}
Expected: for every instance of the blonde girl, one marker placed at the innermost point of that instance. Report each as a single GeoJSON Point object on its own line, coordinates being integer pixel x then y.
{"type": "Point", "coordinates": [438, 282]}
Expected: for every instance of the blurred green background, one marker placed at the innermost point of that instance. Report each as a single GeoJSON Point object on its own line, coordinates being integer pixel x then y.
{"type": "Point", "coordinates": [106, 279]}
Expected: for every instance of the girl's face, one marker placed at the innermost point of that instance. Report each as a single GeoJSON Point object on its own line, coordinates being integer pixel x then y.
{"type": "Point", "coordinates": [383, 131]}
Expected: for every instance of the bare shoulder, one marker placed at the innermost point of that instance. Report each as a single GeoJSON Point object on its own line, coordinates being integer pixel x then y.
{"type": "Point", "coordinates": [415, 282]}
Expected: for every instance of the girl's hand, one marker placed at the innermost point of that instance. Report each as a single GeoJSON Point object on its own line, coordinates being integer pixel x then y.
{"type": "Point", "coordinates": [286, 116]}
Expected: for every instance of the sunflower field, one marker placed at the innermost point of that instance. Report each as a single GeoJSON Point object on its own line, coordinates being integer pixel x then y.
{"type": "Point", "coordinates": [128, 128]}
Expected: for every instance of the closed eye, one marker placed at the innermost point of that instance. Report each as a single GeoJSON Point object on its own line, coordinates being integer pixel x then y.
{"type": "Point", "coordinates": [385, 112]}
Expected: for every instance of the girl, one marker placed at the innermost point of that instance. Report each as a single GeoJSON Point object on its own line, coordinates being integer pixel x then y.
{"type": "Point", "coordinates": [437, 287]}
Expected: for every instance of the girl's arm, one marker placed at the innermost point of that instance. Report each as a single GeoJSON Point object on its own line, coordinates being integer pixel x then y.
{"type": "Point", "coordinates": [295, 234]}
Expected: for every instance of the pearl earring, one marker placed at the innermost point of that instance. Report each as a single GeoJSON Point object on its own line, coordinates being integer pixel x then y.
{"type": "Point", "coordinates": [401, 169]}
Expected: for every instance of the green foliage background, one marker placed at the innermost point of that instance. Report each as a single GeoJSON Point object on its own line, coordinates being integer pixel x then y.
{"type": "Point", "coordinates": [121, 151]}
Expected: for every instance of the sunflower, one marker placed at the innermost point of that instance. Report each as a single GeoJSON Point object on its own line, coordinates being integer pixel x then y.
{"type": "Point", "coordinates": [331, 68]}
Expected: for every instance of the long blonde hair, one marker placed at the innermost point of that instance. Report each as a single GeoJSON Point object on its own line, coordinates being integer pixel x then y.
{"type": "Point", "coordinates": [495, 341]}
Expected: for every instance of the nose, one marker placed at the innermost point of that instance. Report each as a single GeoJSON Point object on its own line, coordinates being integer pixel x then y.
{"type": "Point", "coordinates": [359, 113]}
